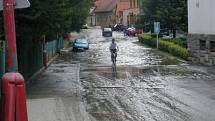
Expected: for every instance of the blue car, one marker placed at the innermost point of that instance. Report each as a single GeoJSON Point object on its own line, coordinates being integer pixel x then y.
{"type": "Point", "coordinates": [81, 43]}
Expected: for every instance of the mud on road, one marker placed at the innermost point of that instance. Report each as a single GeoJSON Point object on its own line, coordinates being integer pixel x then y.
{"type": "Point", "coordinates": [142, 87]}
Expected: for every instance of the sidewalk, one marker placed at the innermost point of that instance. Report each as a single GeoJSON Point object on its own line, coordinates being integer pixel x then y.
{"type": "Point", "coordinates": [55, 95]}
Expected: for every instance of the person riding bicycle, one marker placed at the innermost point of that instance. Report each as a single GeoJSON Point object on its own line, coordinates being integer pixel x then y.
{"type": "Point", "coordinates": [113, 49]}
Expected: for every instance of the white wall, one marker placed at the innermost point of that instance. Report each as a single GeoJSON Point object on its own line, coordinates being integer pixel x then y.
{"type": "Point", "coordinates": [125, 20]}
{"type": "Point", "coordinates": [201, 16]}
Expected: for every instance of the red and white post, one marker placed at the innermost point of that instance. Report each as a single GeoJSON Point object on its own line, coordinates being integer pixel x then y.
{"type": "Point", "coordinates": [13, 107]}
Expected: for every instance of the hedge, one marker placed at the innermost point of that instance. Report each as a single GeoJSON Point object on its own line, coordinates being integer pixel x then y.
{"type": "Point", "coordinates": [167, 45]}
{"type": "Point", "coordinates": [182, 41]}
{"type": "Point", "coordinates": [173, 48]}
{"type": "Point", "coordinates": [147, 39]}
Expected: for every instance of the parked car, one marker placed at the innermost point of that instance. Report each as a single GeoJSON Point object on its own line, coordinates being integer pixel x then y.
{"type": "Point", "coordinates": [165, 32]}
{"type": "Point", "coordinates": [107, 32]}
{"type": "Point", "coordinates": [132, 31]}
{"type": "Point", "coordinates": [127, 31]}
{"type": "Point", "coordinates": [135, 31]}
{"type": "Point", "coordinates": [81, 43]}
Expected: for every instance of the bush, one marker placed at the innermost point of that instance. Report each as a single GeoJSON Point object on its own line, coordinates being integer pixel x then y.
{"type": "Point", "coordinates": [168, 45]}
{"type": "Point", "coordinates": [182, 41]}
{"type": "Point", "coordinates": [154, 35]}
{"type": "Point", "coordinates": [147, 40]}
{"type": "Point", "coordinates": [173, 48]}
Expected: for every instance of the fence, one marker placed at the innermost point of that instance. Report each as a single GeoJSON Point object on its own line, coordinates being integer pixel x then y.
{"type": "Point", "coordinates": [2, 58]}
{"type": "Point", "coordinates": [54, 46]}
{"type": "Point", "coordinates": [30, 55]}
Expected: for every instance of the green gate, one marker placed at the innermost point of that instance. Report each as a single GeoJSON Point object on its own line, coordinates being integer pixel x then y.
{"type": "Point", "coordinates": [2, 58]}
{"type": "Point", "coordinates": [30, 55]}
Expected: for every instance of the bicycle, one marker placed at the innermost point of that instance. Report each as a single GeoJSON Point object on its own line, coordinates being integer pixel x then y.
{"type": "Point", "coordinates": [113, 57]}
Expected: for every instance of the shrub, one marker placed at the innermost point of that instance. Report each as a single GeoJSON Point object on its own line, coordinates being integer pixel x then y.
{"type": "Point", "coordinates": [147, 40]}
{"type": "Point", "coordinates": [182, 41]}
{"type": "Point", "coordinates": [171, 46]}
{"type": "Point", "coordinates": [154, 35]}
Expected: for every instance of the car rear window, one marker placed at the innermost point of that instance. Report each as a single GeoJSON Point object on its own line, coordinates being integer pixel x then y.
{"type": "Point", "coordinates": [107, 29]}
{"type": "Point", "coordinates": [81, 41]}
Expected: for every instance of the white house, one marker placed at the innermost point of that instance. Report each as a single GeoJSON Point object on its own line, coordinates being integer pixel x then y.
{"type": "Point", "coordinates": [201, 28]}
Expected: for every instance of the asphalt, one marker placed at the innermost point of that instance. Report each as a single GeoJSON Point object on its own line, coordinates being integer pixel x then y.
{"type": "Point", "coordinates": [84, 86]}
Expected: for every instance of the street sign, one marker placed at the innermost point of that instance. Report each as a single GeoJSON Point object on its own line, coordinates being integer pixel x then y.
{"type": "Point", "coordinates": [17, 4]}
{"type": "Point", "coordinates": [157, 30]}
{"type": "Point", "coordinates": [157, 27]}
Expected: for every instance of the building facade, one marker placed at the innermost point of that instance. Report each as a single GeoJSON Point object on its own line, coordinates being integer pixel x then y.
{"type": "Point", "coordinates": [201, 28]}
{"type": "Point", "coordinates": [105, 13]}
{"type": "Point", "coordinates": [131, 15]}
{"type": "Point", "coordinates": [120, 7]}
{"type": "Point", "coordinates": [91, 19]}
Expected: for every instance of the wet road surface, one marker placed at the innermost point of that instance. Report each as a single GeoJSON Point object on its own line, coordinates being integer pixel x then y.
{"type": "Point", "coordinates": [140, 88]}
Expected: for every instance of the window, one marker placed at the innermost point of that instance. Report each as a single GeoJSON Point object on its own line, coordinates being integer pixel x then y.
{"type": "Point", "coordinates": [212, 46]}
{"type": "Point", "coordinates": [202, 44]}
{"type": "Point", "coordinates": [107, 29]}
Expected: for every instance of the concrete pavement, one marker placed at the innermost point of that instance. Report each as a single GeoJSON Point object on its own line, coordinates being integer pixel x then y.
{"type": "Point", "coordinates": [140, 88]}
{"type": "Point", "coordinates": [56, 96]}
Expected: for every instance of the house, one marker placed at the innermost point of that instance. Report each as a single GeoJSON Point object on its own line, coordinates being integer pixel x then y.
{"type": "Point", "coordinates": [105, 13]}
{"type": "Point", "coordinates": [201, 29]}
{"type": "Point", "coordinates": [91, 20]}
{"type": "Point", "coordinates": [130, 15]}
{"type": "Point", "coordinates": [120, 7]}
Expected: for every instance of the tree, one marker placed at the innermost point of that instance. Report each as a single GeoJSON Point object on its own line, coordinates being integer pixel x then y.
{"type": "Point", "coordinates": [51, 17]}
{"type": "Point", "coordinates": [171, 13]}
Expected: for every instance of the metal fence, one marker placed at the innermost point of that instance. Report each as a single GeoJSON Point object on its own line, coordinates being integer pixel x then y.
{"type": "Point", "coordinates": [54, 46]}
{"type": "Point", "coordinates": [30, 56]}
{"type": "Point", "coordinates": [2, 58]}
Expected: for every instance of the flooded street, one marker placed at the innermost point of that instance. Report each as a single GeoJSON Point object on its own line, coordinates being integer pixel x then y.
{"type": "Point", "coordinates": [140, 88]}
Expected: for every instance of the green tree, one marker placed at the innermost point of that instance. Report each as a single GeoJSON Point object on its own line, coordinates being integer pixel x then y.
{"type": "Point", "coordinates": [171, 13]}
{"type": "Point", "coordinates": [50, 17]}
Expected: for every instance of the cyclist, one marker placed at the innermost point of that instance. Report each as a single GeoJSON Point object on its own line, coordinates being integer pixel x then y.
{"type": "Point", "coordinates": [113, 49]}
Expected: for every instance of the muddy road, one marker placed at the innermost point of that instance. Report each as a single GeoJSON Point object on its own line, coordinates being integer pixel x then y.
{"type": "Point", "coordinates": [144, 86]}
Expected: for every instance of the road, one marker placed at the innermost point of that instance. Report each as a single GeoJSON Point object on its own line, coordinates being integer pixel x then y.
{"type": "Point", "coordinates": [83, 86]}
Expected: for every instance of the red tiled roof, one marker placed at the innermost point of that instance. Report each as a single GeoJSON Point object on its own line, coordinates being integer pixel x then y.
{"type": "Point", "coordinates": [98, 2]}
{"type": "Point", "coordinates": [106, 6]}
{"type": "Point", "coordinates": [122, 6]}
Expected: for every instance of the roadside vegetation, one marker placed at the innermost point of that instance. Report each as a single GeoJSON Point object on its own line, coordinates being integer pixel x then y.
{"type": "Point", "coordinates": [174, 46]}
{"type": "Point", "coordinates": [48, 20]}
{"type": "Point", "coordinates": [51, 18]}
{"type": "Point", "coordinates": [172, 14]}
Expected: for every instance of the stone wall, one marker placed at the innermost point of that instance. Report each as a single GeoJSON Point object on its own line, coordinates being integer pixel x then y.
{"type": "Point", "coordinates": [201, 48]}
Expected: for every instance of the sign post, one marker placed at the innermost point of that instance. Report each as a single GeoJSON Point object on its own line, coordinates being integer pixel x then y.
{"type": "Point", "coordinates": [157, 30]}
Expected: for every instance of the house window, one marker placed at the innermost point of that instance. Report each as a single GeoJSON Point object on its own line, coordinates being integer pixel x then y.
{"type": "Point", "coordinates": [202, 44]}
{"type": "Point", "coordinates": [212, 46]}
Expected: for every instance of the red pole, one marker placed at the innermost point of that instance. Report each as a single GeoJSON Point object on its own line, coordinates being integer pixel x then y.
{"type": "Point", "coordinates": [14, 97]}
{"type": "Point", "coordinates": [10, 35]}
